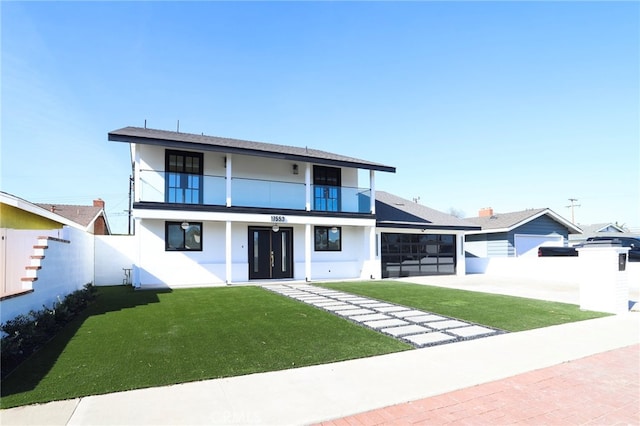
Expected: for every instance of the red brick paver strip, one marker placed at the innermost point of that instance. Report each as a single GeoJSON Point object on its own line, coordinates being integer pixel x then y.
{"type": "Point", "coordinates": [602, 389]}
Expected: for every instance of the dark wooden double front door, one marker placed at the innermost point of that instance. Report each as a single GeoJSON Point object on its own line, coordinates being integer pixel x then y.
{"type": "Point", "coordinates": [270, 253]}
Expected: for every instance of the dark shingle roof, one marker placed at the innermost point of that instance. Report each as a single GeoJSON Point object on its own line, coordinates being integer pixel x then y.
{"type": "Point", "coordinates": [394, 211]}
{"type": "Point", "coordinates": [214, 143]}
{"type": "Point", "coordinates": [82, 215]}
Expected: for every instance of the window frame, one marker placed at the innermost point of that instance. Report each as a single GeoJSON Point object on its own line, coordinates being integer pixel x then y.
{"type": "Point", "coordinates": [183, 248]}
{"type": "Point", "coordinates": [184, 176]}
{"type": "Point", "coordinates": [327, 192]}
{"type": "Point", "coordinates": [327, 229]}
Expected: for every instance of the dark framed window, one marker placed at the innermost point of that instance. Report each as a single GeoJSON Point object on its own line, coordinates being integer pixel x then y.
{"type": "Point", "coordinates": [326, 188]}
{"type": "Point", "coordinates": [328, 238]}
{"type": "Point", "coordinates": [183, 236]}
{"type": "Point", "coordinates": [183, 180]}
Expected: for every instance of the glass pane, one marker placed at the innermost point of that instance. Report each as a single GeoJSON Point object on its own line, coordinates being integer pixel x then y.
{"type": "Point", "coordinates": [334, 239]}
{"type": "Point", "coordinates": [193, 238]}
{"type": "Point", "coordinates": [256, 246]}
{"type": "Point", "coordinates": [284, 235]}
{"type": "Point", "coordinates": [175, 237]}
{"type": "Point", "coordinates": [321, 239]}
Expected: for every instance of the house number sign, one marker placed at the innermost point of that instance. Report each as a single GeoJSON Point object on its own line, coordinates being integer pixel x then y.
{"type": "Point", "coordinates": [279, 219]}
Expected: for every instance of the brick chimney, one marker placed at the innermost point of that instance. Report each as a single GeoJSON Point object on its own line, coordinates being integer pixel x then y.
{"type": "Point", "coordinates": [485, 212]}
{"type": "Point", "coordinates": [98, 203]}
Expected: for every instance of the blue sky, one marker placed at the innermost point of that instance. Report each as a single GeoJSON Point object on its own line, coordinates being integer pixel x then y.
{"type": "Point", "coordinates": [510, 105]}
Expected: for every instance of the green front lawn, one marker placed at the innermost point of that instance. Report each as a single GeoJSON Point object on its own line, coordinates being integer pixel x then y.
{"type": "Point", "coordinates": [503, 312]}
{"type": "Point", "coordinates": [134, 339]}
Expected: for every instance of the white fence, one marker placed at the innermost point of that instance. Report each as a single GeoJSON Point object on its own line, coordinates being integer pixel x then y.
{"type": "Point", "coordinates": [561, 268]}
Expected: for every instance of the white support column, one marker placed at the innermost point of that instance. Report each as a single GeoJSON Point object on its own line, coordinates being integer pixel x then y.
{"type": "Point", "coordinates": [136, 279]}
{"type": "Point", "coordinates": [461, 261]}
{"type": "Point", "coordinates": [307, 252]}
{"type": "Point", "coordinates": [228, 259]}
{"type": "Point", "coordinates": [372, 184]}
{"type": "Point", "coordinates": [307, 186]}
{"type": "Point", "coordinates": [372, 244]}
{"type": "Point", "coordinates": [229, 166]}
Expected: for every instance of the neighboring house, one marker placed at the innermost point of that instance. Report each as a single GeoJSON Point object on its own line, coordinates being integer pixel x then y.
{"type": "Point", "coordinates": [92, 219]}
{"type": "Point", "coordinates": [211, 210]}
{"type": "Point", "coordinates": [43, 256]}
{"type": "Point", "coordinates": [598, 230]}
{"type": "Point", "coordinates": [517, 234]}
{"type": "Point", "coordinates": [417, 240]}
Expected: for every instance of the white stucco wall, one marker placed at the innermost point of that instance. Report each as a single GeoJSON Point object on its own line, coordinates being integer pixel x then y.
{"type": "Point", "coordinates": [66, 267]}
{"type": "Point", "coordinates": [112, 254]}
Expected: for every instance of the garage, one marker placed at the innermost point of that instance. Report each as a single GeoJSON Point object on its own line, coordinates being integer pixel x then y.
{"type": "Point", "coordinates": [527, 244]}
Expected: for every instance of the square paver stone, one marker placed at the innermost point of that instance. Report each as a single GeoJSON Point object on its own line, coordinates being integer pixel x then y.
{"type": "Point", "coordinates": [352, 312]}
{"type": "Point", "coordinates": [427, 318]}
{"type": "Point", "coordinates": [409, 313]}
{"type": "Point", "coordinates": [369, 317]}
{"type": "Point", "coordinates": [375, 305]}
{"type": "Point", "coordinates": [429, 338]}
{"type": "Point", "coordinates": [314, 299]}
{"type": "Point", "coordinates": [385, 323]}
{"type": "Point", "coordinates": [474, 330]}
{"type": "Point", "coordinates": [405, 329]}
{"type": "Point", "coordinates": [443, 325]}
{"type": "Point", "coordinates": [392, 309]}
{"type": "Point", "coordinates": [339, 307]}
{"type": "Point", "coordinates": [324, 303]}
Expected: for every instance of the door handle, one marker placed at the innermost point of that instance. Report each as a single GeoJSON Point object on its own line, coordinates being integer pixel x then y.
{"type": "Point", "coordinates": [272, 260]}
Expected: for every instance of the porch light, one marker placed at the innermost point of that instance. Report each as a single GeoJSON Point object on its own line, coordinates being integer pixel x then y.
{"type": "Point", "coordinates": [275, 228]}
{"type": "Point", "coordinates": [295, 169]}
{"type": "Point", "coordinates": [184, 225]}
{"type": "Point", "coordinates": [334, 229]}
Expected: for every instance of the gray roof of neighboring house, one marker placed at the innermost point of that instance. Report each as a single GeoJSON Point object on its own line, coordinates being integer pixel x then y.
{"type": "Point", "coordinates": [397, 212]}
{"type": "Point", "coordinates": [213, 143]}
{"type": "Point", "coordinates": [598, 227]}
{"type": "Point", "coordinates": [82, 215]}
{"type": "Point", "coordinates": [501, 222]}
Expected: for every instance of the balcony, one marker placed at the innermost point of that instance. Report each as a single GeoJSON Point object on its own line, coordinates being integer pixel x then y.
{"type": "Point", "coordinates": [183, 188]}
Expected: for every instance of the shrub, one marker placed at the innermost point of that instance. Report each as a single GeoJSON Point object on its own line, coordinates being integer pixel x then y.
{"type": "Point", "coordinates": [25, 334]}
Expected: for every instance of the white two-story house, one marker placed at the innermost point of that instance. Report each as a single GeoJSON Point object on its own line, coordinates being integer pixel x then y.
{"type": "Point", "coordinates": [211, 210]}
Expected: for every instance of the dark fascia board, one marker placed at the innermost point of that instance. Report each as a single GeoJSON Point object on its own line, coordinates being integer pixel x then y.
{"type": "Point", "coordinates": [114, 137]}
{"type": "Point", "coordinates": [420, 226]}
{"type": "Point", "coordinates": [146, 205]}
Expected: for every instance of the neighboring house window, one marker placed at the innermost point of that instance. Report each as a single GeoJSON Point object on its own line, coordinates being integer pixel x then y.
{"type": "Point", "coordinates": [179, 239]}
{"type": "Point", "coordinates": [183, 177]}
{"type": "Point", "coordinates": [328, 238]}
{"type": "Point", "coordinates": [326, 188]}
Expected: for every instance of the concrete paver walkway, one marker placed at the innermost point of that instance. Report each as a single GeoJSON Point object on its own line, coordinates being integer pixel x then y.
{"type": "Point", "coordinates": [419, 328]}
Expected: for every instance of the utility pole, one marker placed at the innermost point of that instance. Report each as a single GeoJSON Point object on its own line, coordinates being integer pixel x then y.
{"type": "Point", "coordinates": [572, 206]}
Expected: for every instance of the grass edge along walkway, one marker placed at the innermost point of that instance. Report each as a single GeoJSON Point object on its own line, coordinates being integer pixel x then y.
{"type": "Point", "coordinates": [136, 339]}
{"type": "Point", "coordinates": [509, 313]}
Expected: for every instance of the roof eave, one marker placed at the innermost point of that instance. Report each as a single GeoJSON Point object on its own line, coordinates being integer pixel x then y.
{"type": "Point", "coordinates": [116, 137]}
{"type": "Point", "coordinates": [418, 225]}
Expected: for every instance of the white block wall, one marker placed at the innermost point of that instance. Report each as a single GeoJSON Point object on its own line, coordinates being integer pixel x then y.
{"type": "Point", "coordinates": [67, 267]}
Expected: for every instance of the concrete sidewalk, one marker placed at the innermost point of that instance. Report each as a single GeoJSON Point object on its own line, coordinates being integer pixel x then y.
{"type": "Point", "coordinates": [319, 393]}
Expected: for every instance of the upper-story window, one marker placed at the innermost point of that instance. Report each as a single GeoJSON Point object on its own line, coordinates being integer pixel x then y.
{"type": "Point", "coordinates": [183, 177]}
{"type": "Point", "coordinates": [326, 188]}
